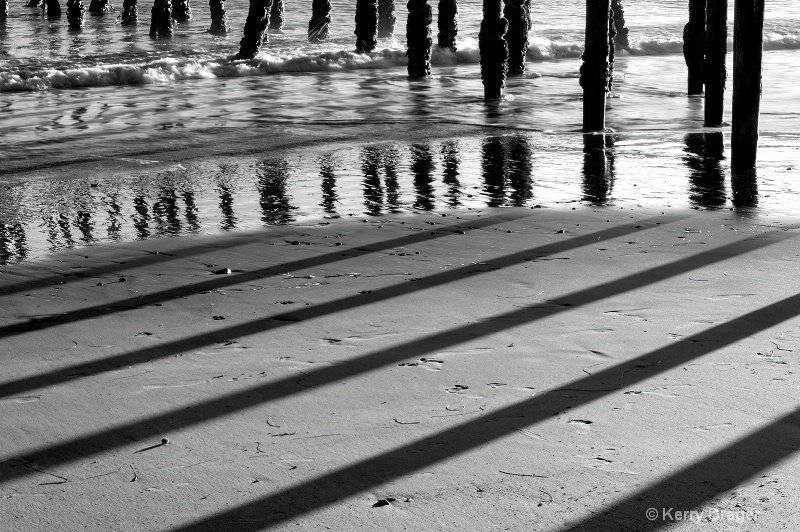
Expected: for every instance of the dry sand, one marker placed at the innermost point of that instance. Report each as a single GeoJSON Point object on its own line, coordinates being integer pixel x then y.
{"type": "Point", "coordinates": [520, 369]}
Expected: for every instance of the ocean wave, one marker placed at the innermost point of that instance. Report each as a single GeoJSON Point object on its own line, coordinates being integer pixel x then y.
{"type": "Point", "coordinates": [21, 77]}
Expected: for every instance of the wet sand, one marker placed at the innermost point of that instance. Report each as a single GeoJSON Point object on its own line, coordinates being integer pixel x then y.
{"type": "Point", "coordinates": [521, 369]}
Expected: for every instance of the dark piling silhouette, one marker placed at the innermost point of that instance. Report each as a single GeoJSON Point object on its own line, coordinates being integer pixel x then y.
{"type": "Point", "coordinates": [704, 152]}
{"type": "Point", "coordinates": [386, 18]}
{"type": "Point", "coordinates": [33, 3]}
{"type": "Point", "coordinates": [161, 22]}
{"type": "Point", "coordinates": [182, 11]}
{"type": "Point", "coordinates": [422, 167]}
{"type": "Point", "coordinates": [276, 16]}
{"type": "Point", "coordinates": [255, 29]}
{"type": "Point", "coordinates": [130, 12]}
{"type": "Point", "coordinates": [520, 174]}
{"type": "Point", "coordinates": [714, 71]}
{"type": "Point", "coordinates": [694, 36]}
{"type": "Point", "coordinates": [493, 166]}
{"type": "Point", "coordinates": [621, 40]}
{"type": "Point", "coordinates": [373, 189]}
{"type": "Point", "coordinates": [419, 38]}
{"type": "Point", "coordinates": [219, 18]}
{"type": "Point", "coordinates": [448, 24]}
{"type": "Point", "coordinates": [366, 25]}
{"type": "Point", "coordinates": [99, 7]}
{"type": "Point", "coordinates": [451, 160]}
{"type": "Point", "coordinates": [318, 26]}
{"type": "Point", "coordinates": [76, 14]}
{"type": "Point", "coordinates": [53, 8]}
{"type": "Point", "coordinates": [598, 169]}
{"type": "Point", "coordinates": [494, 49]}
{"type": "Point", "coordinates": [272, 185]}
{"type": "Point", "coordinates": [748, 39]}
{"type": "Point", "coordinates": [598, 63]}
{"type": "Point", "coordinates": [518, 14]}
{"type": "Point", "coordinates": [4, 9]}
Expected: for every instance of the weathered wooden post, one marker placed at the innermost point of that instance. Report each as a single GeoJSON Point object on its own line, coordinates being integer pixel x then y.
{"type": "Point", "coordinates": [219, 19]}
{"type": "Point", "coordinates": [748, 28]}
{"type": "Point", "coordinates": [320, 20]}
{"type": "Point", "coordinates": [448, 24]}
{"type": "Point", "coordinates": [714, 69]}
{"type": "Point", "coordinates": [494, 49]}
{"type": "Point", "coordinates": [130, 13]}
{"type": "Point", "coordinates": [255, 28]}
{"type": "Point", "coordinates": [419, 38]}
{"type": "Point", "coordinates": [75, 14]}
{"type": "Point", "coordinates": [366, 25]}
{"type": "Point", "coordinates": [182, 11]}
{"type": "Point", "coordinates": [53, 8]}
{"type": "Point", "coordinates": [621, 40]}
{"type": "Point", "coordinates": [596, 71]}
{"type": "Point", "coordinates": [517, 12]}
{"type": "Point", "coordinates": [4, 9]}
{"type": "Point", "coordinates": [694, 35]}
{"type": "Point", "coordinates": [276, 16]}
{"type": "Point", "coordinates": [386, 18]}
{"type": "Point", "coordinates": [99, 6]}
{"type": "Point", "coordinates": [161, 21]}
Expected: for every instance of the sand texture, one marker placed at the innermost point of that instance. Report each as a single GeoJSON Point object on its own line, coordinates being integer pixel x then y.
{"type": "Point", "coordinates": [510, 369]}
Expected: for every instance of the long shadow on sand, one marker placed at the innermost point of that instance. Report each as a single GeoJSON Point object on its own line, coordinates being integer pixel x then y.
{"type": "Point", "coordinates": [725, 468]}
{"type": "Point", "coordinates": [603, 382]}
{"type": "Point", "coordinates": [275, 321]}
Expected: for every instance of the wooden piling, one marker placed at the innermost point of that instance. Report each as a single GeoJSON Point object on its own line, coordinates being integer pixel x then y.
{"type": "Point", "coordinates": [219, 18]}
{"type": "Point", "coordinates": [34, 3]}
{"type": "Point", "coordinates": [694, 35]}
{"type": "Point", "coordinates": [386, 18]}
{"type": "Point", "coordinates": [748, 38]}
{"type": "Point", "coordinates": [517, 12]}
{"type": "Point", "coordinates": [277, 15]}
{"type": "Point", "coordinates": [255, 29]}
{"type": "Point", "coordinates": [53, 8]}
{"type": "Point", "coordinates": [3, 8]}
{"type": "Point", "coordinates": [161, 22]}
{"type": "Point", "coordinates": [621, 41]}
{"type": "Point", "coordinates": [99, 6]}
{"type": "Point", "coordinates": [320, 20]}
{"type": "Point", "coordinates": [595, 73]}
{"type": "Point", "coordinates": [715, 72]}
{"type": "Point", "coordinates": [181, 11]}
{"type": "Point", "coordinates": [494, 49]}
{"type": "Point", "coordinates": [419, 38]}
{"type": "Point", "coordinates": [366, 25]}
{"type": "Point", "coordinates": [130, 13]}
{"type": "Point", "coordinates": [75, 14]}
{"type": "Point", "coordinates": [448, 24]}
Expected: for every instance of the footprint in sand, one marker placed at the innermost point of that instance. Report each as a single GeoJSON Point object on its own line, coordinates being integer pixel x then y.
{"type": "Point", "coordinates": [457, 388]}
{"type": "Point", "coordinates": [430, 364]}
{"type": "Point", "coordinates": [629, 313]}
{"type": "Point", "coordinates": [663, 391]}
{"type": "Point", "coordinates": [709, 428]}
{"type": "Point", "coordinates": [180, 385]}
{"type": "Point", "coordinates": [27, 399]}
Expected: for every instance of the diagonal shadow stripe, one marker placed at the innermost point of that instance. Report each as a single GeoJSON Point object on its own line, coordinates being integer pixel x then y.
{"type": "Point", "coordinates": [228, 280]}
{"type": "Point", "coordinates": [326, 490]}
{"type": "Point", "coordinates": [120, 435]}
{"type": "Point", "coordinates": [698, 483]}
{"type": "Point", "coordinates": [276, 321]}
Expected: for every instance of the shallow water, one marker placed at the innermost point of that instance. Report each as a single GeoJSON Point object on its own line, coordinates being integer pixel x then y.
{"type": "Point", "coordinates": [68, 92]}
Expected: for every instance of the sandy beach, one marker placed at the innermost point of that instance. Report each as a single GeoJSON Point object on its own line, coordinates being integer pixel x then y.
{"type": "Point", "coordinates": [500, 369]}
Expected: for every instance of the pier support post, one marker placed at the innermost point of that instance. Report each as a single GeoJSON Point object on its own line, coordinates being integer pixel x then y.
{"type": "Point", "coordinates": [386, 18]}
{"type": "Point", "coordinates": [182, 11]}
{"type": "Point", "coordinates": [494, 49]}
{"type": "Point", "coordinates": [748, 38]}
{"type": "Point", "coordinates": [714, 67]}
{"type": "Point", "coordinates": [419, 38]}
{"type": "Point", "coordinates": [621, 40]}
{"type": "Point", "coordinates": [255, 29]}
{"type": "Point", "coordinates": [517, 12]}
{"type": "Point", "coordinates": [596, 71]}
{"type": "Point", "coordinates": [366, 25]}
{"type": "Point", "coordinates": [320, 20]}
{"type": "Point", "coordinates": [161, 22]}
{"type": "Point", "coordinates": [53, 8]}
{"type": "Point", "coordinates": [130, 13]}
{"type": "Point", "coordinates": [277, 16]}
{"type": "Point", "coordinates": [219, 18]}
{"type": "Point", "coordinates": [448, 24]}
{"type": "Point", "coordinates": [99, 6]}
{"type": "Point", "coordinates": [3, 8]}
{"type": "Point", "coordinates": [75, 14]}
{"type": "Point", "coordinates": [694, 34]}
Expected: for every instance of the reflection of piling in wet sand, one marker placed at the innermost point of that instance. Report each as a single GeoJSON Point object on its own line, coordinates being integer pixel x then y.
{"type": "Point", "coordinates": [366, 25]}
{"type": "Point", "coordinates": [447, 21]}
{"type": "Point", "coordinates": [493, 49]}
{"type": "Point", "coordinates": [493, 170]}
{"type": "Point", "coordinates": [255, 29]}
{"type": "Point", "coordinates": [450, 163]}
{"type": "Point", "coordinates": [328, 185]}
{"type": "Point", "coordinates": [130, 12]}
{"type": "Point", "coordinates": [422, 168]}
{"type": "Point", "coordinates": [419, 37]}
{"type": "Point", "coordinates": [706, 178]}
{"type": "Point", "coordinates": [373, 191]}
{"type": "Point", "coordinates": [519, 170]}
{"type": "Point", "coordinates": [273, 179]}
{"type": "Point", "coordinates": [598, 168]}
{"type": "Point", "coordinates": [386, 18]}
{"type": "Point", "coordinates": [318, 26]}
{"type": "Point", "coordinates": [219, 18]}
